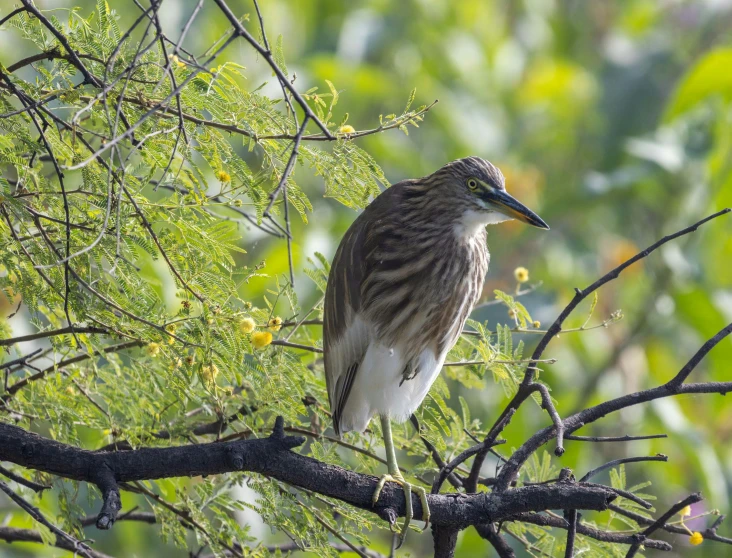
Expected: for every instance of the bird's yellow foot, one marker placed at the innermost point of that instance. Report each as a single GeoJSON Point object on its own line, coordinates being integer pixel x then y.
{"type": "Point", "coordinates": [408, 488]}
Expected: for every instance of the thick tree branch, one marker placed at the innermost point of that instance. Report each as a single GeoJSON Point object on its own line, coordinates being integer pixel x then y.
{"type": "Point", "coordinates": [271, 456]}
{"type": "Point", "coordinates": [445, 540]}
{"type": "Point", "coordinates": [499, 544]}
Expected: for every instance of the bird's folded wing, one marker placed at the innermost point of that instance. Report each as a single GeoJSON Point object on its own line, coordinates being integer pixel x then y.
{"type": "Point", "coordinates": [345, 335]}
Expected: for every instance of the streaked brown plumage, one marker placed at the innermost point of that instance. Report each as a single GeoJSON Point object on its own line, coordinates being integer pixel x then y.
{"type": "Point", "coordinates": [403, 281]}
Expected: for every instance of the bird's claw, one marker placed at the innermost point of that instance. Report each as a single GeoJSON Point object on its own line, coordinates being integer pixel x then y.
{"type": "Point", "coordinates": [407, 487]}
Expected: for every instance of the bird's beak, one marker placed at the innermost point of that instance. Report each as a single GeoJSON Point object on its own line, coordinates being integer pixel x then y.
{"type": "Point", "coordinates": [511, 207]}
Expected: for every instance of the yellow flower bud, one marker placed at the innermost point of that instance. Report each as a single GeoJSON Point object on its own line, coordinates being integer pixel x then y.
{"type": "Point", "coordinates": [223, 176]}
{"type": "Point", "coordinates": [696, 538]}
{"type": "Point", "coordinates": [153, 349]}
{"type": "Point", "coordinates": [536, 324]}
{"type": "Point", "coordinates": [521, 274]}
{"type": "Point", "coordinates": [685, 511]}
{"type": "Point", "coordinates": [275, 324]}
{"type": "Point", "coordinates": [261, 339]}
{"type": "Point", "coordinates": [237, 202]}
{"type": "Point", "coordinates": [209, 373]}
{"type": "Point", "coordinates": [346, 129]}
{"type": "Point", "coordinates": [247, 325]}
{"type": "Point", "coordinates": [70, 390]}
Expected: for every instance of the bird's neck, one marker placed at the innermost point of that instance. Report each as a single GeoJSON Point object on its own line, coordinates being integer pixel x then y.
{"type": "Point", "coordinates": [471, 224]}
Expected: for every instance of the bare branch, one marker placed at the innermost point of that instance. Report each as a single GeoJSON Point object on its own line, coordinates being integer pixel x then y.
{"type": "Point", "coordinates": [35, 513]}
{"type": "Point", "coordinates": [267, 55]}
{"type": "Point", "coordinates": [88, 77]}
{"type": "Point", "coordinates": [25, 482]}
{"type": "Point", "coordinates": [12, 534]}
{"type": "Point", "coordinates": [50, 333]}
{"type": "Point", "coordinates": [615, 462]}
{"type": "Point", "coordinates": [626, 438]}
{"type": "Point", "coordinates": [581, 294]}
{"type": "Point", "coordinates": [592, 414]}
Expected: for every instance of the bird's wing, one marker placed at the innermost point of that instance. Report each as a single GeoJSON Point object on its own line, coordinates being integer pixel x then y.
{"type": "Point", "coordinates": [345, 335]}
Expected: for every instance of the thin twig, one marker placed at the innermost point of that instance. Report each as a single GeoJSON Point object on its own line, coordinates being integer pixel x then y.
{"type": "Point", "coordinates": [25, 482]}
{"type": "Point", "coordinates": [615, 462]}
{"type": "Point", "coordinates": [625, 438]}
{"type": "Point", "coordinates": [36, 514]}
{"type": "Point", "coordinates": [660, 522]}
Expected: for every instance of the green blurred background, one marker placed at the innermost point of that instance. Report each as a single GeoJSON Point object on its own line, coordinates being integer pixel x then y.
{"type": "Point", "coordinates": [611, 119]}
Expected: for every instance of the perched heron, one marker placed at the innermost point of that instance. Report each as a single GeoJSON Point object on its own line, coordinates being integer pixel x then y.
{"type": "Point", "coordinates": [403, 281]}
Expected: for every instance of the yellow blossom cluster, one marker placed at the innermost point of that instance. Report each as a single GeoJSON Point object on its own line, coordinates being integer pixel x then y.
{"type": "Point", "coordinates": [177, 60]}
{"type": "Point", "coordinates": [696, 538]}
{"type": "Point", "coordinates": [346, 129]}
{"type": "Point", "coordinates": [153, 349]}
{"type": "Point", "coordinates": [209, 373]}
{"type": "Point", "coordinates": [170, 328]}
{"type": "Point", "coordinates": [247, 325]}
{"type": "Point", "coordinates": [260, 339]}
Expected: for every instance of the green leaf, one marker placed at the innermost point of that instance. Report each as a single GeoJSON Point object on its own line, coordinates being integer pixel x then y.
{"type": "Point", "coordinates": [279, 55]}
{"type": "Point", "coordinates": [710, 76]}
{"type": "Point", "coordinates": [592, 309]}
{"type": "Point", "coordinates": [410, 100]}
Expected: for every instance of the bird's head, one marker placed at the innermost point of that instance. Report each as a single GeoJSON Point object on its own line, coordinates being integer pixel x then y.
{"type": "Point", "coordinates": [478, 190]}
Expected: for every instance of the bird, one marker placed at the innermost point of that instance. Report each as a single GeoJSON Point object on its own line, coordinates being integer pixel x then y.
{"type": "Point", "coordinates": [403, 281]}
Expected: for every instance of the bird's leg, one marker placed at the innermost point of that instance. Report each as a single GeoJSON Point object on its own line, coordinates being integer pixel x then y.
{"type": "Point", "coordinates": [395, 475]}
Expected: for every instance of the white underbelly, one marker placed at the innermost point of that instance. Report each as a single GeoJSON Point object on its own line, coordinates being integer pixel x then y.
{"type": "Point", "coordinates": [378, 388]}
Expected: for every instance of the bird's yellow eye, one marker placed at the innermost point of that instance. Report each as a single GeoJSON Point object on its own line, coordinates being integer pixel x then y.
{"type": "Point", "coordinates": [473, 184]}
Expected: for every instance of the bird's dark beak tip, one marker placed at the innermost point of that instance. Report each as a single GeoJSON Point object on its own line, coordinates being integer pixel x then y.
{"type": "Point", "coordinates": [540, 224]}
